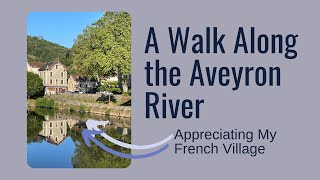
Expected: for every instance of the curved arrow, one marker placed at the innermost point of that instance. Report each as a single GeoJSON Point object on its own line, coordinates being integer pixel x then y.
{"type": "Point", "coordinates": [87, 136]}
{"type": "Point", "coordinates": [93, 125]}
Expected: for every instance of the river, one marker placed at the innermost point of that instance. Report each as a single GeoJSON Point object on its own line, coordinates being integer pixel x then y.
{"type": "Point", "coordinates": [54, 140]}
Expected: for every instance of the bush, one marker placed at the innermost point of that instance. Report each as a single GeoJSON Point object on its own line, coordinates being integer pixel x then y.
{"type": "Point", "coordinates": [45, 102]}
{"type": "Point", "coordinates": [111, 86]}
{"type": "Point", "coordinates": [82, 109]}
{"type": "Point", "coordinates": [114, 90]}
{"type": "Point", "coordinates": [101, 88]}
{"type": "Point", "coordinates": [34, 85]}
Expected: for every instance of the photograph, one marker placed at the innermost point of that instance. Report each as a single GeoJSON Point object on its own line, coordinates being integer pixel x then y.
{"type": "Point", "coordinates": [78, 78]}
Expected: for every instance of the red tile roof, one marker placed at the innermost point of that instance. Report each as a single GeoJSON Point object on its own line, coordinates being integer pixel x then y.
{"type": "Point", "coordinates": [35, 64]}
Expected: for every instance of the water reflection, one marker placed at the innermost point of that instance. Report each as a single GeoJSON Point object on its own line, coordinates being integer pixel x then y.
{"type": "Point", "coordinates": [54, 140]}
{"type": "Point", "coordinates": [55, 129]}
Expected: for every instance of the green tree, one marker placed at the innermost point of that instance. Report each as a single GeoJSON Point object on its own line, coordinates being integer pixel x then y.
{"type": "Point", "coordinates": [34, 85]}
{"type": "Point", "coordinates": [104, 49]}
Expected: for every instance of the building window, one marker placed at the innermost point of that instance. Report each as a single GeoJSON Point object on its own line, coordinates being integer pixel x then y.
{"type": "Point", "coordinates": [51, 124]}
{"type": "Point", "coordinates": [56, 66]}
{"type": "Point", "coordinates": [56, 139]}
{"type": "Point", "coordinates": [61, 131]}
{"type": "Point", "coordinates": [56, 81]}
{"type": "Point", "coordinates": [50, 74]}
{"type": "Point", "coordinates": [44, 74]}
{"type": "Point", "coordinates": [62, 124]}
{"type": "Point", "coordinates": [62, 81]}
{"type": "Point", "coordinates": [50, 132]}
{"type": "Point", "coordinates": [61, 74]}
{"type": "Point", "coordinates": [50, 81]}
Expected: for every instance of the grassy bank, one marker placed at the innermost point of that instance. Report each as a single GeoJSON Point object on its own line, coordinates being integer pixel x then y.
{"type": "Point", "coordinates": [83, 106]}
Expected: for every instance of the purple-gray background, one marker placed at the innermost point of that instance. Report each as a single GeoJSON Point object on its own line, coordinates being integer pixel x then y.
{"type": "Point", "coordinates": [292, 109]}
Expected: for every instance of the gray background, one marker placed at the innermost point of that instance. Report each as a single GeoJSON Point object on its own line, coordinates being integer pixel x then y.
{"type": "Point", "coordinates": [291, 109]}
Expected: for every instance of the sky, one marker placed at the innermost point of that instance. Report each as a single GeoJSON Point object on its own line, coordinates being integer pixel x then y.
{"type": "Point", "coordinates": [60, 27]}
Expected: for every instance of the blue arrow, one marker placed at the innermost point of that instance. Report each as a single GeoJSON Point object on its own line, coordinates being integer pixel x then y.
{"type": "Point", "coordinates": [87, 136]}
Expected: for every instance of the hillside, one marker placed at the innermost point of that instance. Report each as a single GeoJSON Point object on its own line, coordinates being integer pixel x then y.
{"type": "Point", "coordinates": [39, 49]}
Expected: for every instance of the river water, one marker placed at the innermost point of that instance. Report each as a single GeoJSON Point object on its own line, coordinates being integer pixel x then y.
{"type": "Point", "coordinates": [54, 140]}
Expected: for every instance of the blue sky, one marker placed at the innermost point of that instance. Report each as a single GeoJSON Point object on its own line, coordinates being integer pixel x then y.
{"type": "Point", "coordinates": [60, 27]}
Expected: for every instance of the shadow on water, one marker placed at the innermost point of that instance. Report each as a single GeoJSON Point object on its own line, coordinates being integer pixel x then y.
{"type": "Point", "coordinates": [54, 140]}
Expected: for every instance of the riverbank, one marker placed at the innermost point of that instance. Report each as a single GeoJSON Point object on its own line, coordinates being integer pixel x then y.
{"type": "Point", "coordinates": [80, 103]}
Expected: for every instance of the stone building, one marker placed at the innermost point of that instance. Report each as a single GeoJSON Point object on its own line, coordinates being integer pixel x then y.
{"type": "Point", "coordinates": [73, 83]}
{"type": "Point", "coordinates": [78, 83]}
{"type": "Point", "coordinates": [53, 74]}
{"type": "Point", "coordinates": [55, 77]}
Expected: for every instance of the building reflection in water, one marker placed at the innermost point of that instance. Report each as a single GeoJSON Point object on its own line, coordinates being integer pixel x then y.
{"type": "Point", "coordinates": [55, 128]}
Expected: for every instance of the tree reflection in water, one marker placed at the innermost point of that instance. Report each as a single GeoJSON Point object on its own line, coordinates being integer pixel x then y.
{"type": "Point", "coordinates": [34, 126]}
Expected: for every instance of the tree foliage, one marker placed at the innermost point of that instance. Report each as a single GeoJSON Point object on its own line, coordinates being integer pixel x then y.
{"type": "Point", "coordinates": [104, 48]}
{"type": "Point", "coordinates": [34, 125]}
{"type": "Point", "coordinates": [95, 157]}
{"type": "Point", "coordinates": [39, 49]}
{"type": "Point", "coordinates": [34, 85]}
